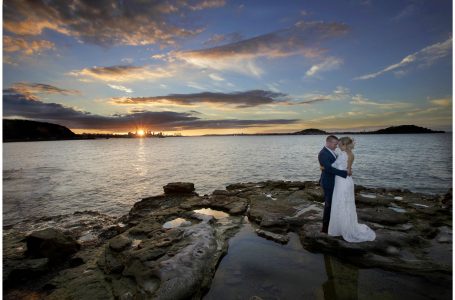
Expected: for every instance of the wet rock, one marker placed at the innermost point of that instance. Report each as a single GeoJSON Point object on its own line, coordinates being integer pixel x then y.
{"type": "Point", "coordinates": [445, 235]}
{"type": "Point", "coordinates": [369, 200]}
{"type": "Point", "coordinates": [111, 262]}
{"type": "Point", "coordinates": [272, 221]}
{"type": "Point", "coordinates": [280, 238]}
{"type": "Point", "coordinates": [119, 243]}
{"type": "Point", "coordinates": [382, 215]}
{"type": "Point", "coordinates": [237, 208]}
{"type": "Point", "coordinates": [143, 260]}
{"type": "Point", "coordinates": [221, 192]}
{"type": "Point", "coordinates": [51, 243]}
{"type": "Point", "coordinates": [179, 188]}
{"type": "Point", "coordinates": [261, 206]}
{"type": "Point", "coordinates": [391, 250]}
{"type": "Point", "coordinates": [76, 261]}
{"type": "Point", "coordinates": [21, 270]}
{"type": "Point", "coordinates": [110, 232]}
{"type": "Point", "coordinates": [447, 200]}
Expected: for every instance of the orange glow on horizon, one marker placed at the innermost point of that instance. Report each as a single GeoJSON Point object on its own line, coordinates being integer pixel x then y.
{"type": "Point", "coordinates": [140, 132]}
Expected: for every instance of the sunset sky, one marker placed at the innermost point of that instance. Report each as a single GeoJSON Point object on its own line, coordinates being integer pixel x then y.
{"type": "Point", "coordinates": [215, 66]}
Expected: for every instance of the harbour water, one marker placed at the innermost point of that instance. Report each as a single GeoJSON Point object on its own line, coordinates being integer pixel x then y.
{"type": "Point", "coordinates": [108, 176]}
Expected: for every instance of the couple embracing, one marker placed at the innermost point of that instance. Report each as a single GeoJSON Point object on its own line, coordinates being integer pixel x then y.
{"type": "Point", "coordinates": [340, 216]}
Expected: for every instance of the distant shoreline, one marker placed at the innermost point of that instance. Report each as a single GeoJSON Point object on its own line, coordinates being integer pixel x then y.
{"type": "Point", "coordinates": [33, 131]}
{"type": "Point", "coordinates": [210, 135]}
{"type": "Point", "coordinates": [325, 134]}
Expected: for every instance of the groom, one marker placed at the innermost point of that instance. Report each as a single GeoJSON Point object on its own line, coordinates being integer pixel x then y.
{"type": "Point", "coordinates": [326, 158]}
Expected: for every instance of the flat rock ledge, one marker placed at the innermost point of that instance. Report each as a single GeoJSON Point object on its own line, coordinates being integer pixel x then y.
{"type": "Point", "coordinates": [167, 247]}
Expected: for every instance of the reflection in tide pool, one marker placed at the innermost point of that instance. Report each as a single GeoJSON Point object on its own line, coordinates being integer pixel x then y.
{"type": "Point", "coordinates": [258, 267]}
{"type": "Point", "coordinates": [176, 223]}
{"type": "Point", "coordinates": [217, 214]}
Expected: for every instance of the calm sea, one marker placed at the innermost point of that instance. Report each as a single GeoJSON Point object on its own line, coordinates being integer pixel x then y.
{"type": "Point", "coordinates": [108, 176]}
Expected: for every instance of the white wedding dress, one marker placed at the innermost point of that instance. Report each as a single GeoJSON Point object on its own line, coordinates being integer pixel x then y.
{"type": "Point", "coordinates": [343, 214]}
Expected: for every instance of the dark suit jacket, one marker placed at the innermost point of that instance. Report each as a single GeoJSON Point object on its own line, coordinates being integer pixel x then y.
{"type": "Point", "coordinates": [326, 159]}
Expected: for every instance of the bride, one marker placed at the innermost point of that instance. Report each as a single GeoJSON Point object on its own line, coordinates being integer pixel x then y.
{"type": "Point", "coordinates": [343, 216]}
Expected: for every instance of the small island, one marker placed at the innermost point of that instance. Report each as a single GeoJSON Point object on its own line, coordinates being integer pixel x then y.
{"type": "Point", "coordinates": [401, 129]}
{"type": "Point", "coordinates": [311, 131]}
{"type": "Point", "coordinates": [405, 129]}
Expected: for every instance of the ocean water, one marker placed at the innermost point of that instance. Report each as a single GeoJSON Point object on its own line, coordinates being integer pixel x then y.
{"type": "Point", "coordinates": [109, 176]}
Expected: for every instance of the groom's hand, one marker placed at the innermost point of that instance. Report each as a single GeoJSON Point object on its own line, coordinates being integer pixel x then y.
{"type": "Point", "coordinates": [321, 167]}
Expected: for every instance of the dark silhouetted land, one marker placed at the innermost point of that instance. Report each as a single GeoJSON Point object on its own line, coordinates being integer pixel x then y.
{"type": "Point", "coordinates": [26, 130]}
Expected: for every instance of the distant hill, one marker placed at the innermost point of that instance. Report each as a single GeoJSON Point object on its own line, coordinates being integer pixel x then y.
{"type": "Point", "coordinates": [405, 129]}
{"type": "Point", "coordinates": [25, 130]}
{"type": "Point", "coordinates": [311, 131]}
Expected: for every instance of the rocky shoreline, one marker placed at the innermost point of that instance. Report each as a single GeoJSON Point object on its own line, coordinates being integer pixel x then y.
{"type": "Point", "coordinates": [169, 246]}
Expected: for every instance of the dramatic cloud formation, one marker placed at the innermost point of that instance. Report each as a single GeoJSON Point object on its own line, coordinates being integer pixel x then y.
{"type": "Point", "coordinates": [30, 89]}
{"type": "Point", "coordinates": [237, 99]}
{"type": "Point", "coordinates": [303, 39]}
{"type": "Point", "coordinates": [424, 58]}
{"type": "Point", "coordinates": [23, 46]}
{"type": "Point", "coordinates": [122, 73]}
{"type": "Point", "coordinates": [108, 22]}
{"type": "Point", "coordinates": [18, 105]}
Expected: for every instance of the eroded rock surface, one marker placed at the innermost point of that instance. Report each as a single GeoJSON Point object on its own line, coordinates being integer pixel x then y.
{"type": "Point", "coordinates": [137, 257]}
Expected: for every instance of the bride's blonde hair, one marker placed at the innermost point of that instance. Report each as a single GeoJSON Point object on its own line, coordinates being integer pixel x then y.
{"type": "Point", "coordinates": [348, 142]}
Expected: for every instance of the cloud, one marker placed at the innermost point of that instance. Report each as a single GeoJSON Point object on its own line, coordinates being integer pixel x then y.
{"type": "Point", "coordinates": [330, 63]}
{"type": "Point", "coordinates": [199, 5]}
{"type": "Point", "coordinates": [340, 93]}
{"type": "Point", "coordinates": [424, 58]}
{"type": "Point", "coordinates": [424, 111]}
{"type": "Point", "coordinates": [445, 102]}
{"type": "Point", "coordinates": [120, 88]}
{"type": "Point", "coordinates": [122, 73]}
{"type": "Point", "coordinates": [18, 105]}
{"type": "Point", "coordinates": [38, 88]}
{"type": "Point", "coordinates": [127, 60]}
{"type": "Point", "coordinates": [274, 87]}
{"type": "Point", "coordinates": [218, 39]}
{"type": "Point", "coordinates": [196, 86]}
{"type": "Point", "coordinates": [108, 22]}
{"type": "Point", "coordinates": [360, 100]}
{"type": "Point", "coordinates": [25, 47]}
{"type": "Point", "coordinates": [216, 77]}
{"type": "Point", "coordinates": [408, 11]}
{"type": "Point", "coordinates": [9, 60]}
{"type": "Point", "coordinates": [303, 38]}
{"type": "Point", "coordinates": [237, 99]}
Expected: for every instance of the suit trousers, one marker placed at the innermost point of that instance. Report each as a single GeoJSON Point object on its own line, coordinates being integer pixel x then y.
{"type": "Point", "coordinates": [328, 192]}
